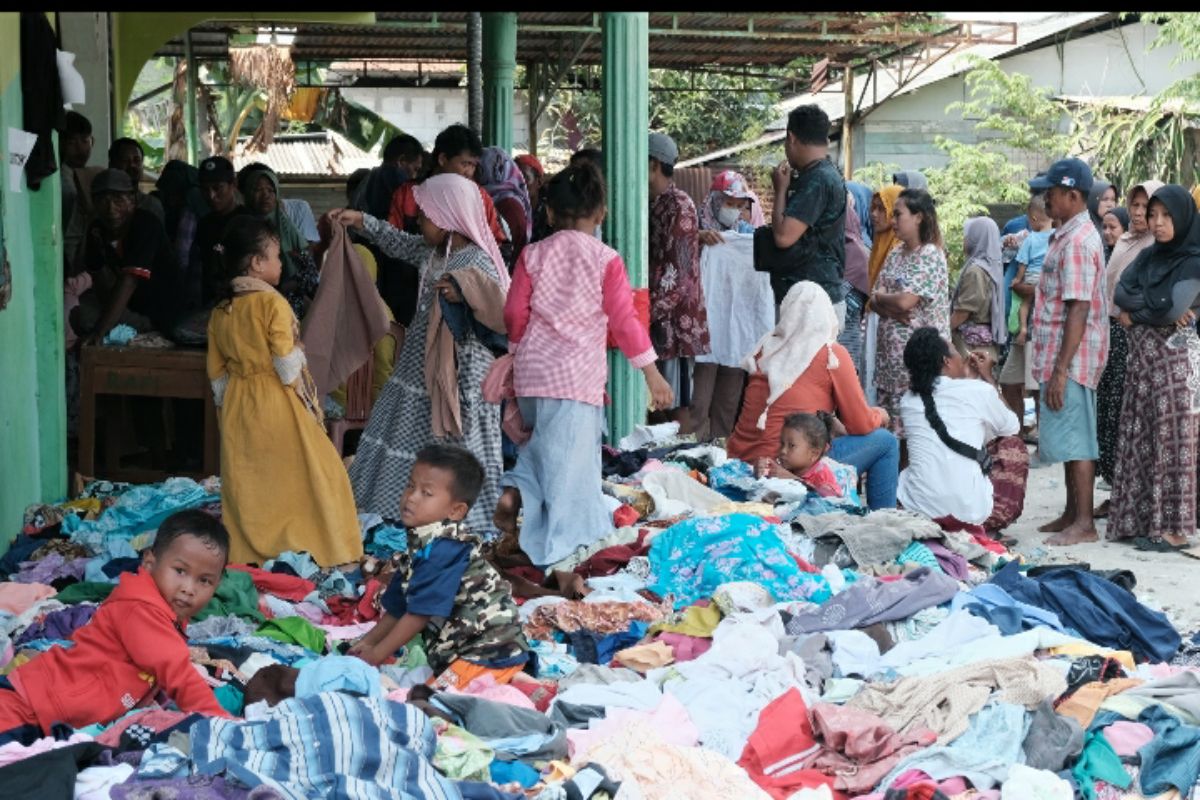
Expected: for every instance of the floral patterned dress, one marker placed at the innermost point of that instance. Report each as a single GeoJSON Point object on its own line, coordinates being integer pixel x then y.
{"type": "Point", "coordinates": [921, 272]}
{"type": "Point", "coordinates": [678, 319]}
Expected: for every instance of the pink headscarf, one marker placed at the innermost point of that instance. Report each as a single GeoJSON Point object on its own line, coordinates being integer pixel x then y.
{"type": "Point", "coordinates": [453, 204]}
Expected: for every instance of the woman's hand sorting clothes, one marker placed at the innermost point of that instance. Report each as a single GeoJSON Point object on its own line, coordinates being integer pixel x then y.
{"type": "Point", "coordinates": [348, 217]}
{"type": "Point", "coordinates": [710, 238]}
{"type": "Point", "coordinates": [661, 396]}
{"type": "Point", "coordinates": [448, 289]}
{"type": "Point", "coordinates": [1125, 320]}
{"type": "Point", "coordinates": [1188, 319]}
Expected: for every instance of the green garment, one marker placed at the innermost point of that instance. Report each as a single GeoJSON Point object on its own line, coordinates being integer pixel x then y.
{"type": "Point", "coordinates": [294, 630]}
{"type": "Point", "coordinates": [463, 756]}
{"type": "Point", "coordinates": [699, 621]}
{"type": "Point", "coordinates": [85, 592]}
{"type": "Point", "coordinates": [230, 698]}
{"type": "Point", "coordinates": [235, 595]}
{"type": "Point", "coordinates": [1099, 761]}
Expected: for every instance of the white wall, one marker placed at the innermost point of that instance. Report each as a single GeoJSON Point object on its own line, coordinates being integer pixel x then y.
{"type": "Point", "coordinates": [424, 112]}
{"type": "Point", "coordinates": [902, 130]}
{"type": "Point", "coordinates": [85, 33]}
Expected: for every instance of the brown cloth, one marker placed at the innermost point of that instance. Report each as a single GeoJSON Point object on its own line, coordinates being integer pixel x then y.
{"type": "Point", "coordinates": [347, 317]}
{"type": "Point", "coordinates": [486, 299]}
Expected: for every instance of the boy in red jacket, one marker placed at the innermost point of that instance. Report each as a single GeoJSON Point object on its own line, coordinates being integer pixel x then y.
{"type": "Point", "coordinates": [134, 645]}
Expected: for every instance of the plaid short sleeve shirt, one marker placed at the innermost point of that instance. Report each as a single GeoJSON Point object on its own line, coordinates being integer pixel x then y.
{"type": "Point", "coordinates": [1072, 270]}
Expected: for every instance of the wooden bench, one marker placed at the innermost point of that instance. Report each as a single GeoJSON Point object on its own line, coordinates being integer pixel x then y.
{"type": "Point", "coordinates": [142, 372]}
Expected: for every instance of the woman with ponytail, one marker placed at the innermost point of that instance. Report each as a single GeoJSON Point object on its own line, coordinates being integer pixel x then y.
{"type": "Point", "coordinates": [283, 486]}
{"type": "Point", "coordinates": [951, 413]}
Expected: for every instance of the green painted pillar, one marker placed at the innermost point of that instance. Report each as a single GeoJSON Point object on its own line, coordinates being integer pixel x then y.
{"type": "Point", "coordinates": [626, 119]}
{"type": "Point", "coordinates": [45, 215]}
{"type": "Point", "coordinates": [499, 69]}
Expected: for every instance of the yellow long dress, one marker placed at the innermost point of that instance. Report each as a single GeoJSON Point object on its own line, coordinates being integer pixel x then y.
{"type": "Point", "coordinates": [283, 486]}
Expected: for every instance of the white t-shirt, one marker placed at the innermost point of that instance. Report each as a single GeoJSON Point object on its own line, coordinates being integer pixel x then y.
{"type": "Point", "coordinates": [939, 482]}
{"type": "Point", "coordinates": [739, 301]}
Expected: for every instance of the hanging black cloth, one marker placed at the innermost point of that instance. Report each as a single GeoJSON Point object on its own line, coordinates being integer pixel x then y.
{"type": "Point", "coordinates": [41, 94]}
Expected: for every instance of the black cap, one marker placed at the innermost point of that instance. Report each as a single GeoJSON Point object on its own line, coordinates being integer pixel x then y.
{"type": "Point", "coordinates": [216, 169]}
{"type": "Point", "coordinates": [112, 181]}
{"type": "Point", "coordinates": [1069, 172]}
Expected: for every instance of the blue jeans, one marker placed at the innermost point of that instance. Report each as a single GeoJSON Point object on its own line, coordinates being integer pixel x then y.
{"type": "Point", "coordinates": [877, 452]}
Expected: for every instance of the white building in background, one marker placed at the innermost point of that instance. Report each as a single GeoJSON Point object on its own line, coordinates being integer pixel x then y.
{"type": "Point", "coordinates": [424, 111]}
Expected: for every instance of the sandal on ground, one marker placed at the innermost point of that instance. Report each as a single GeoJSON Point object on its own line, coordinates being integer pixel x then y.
{"type": "Point", "coordinates": [1148, 545]}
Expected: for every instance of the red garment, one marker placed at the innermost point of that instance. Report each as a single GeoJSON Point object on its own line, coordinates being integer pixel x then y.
{"type": "Point", "coordinates": [404, 210]}
{"type": "Point", "coordinates": [950, 525]}
{"type": "Point", "coordinates": [784, 737]}
{"type": "Point", "coordinates": [625, 516]}
{"type": "Point", "coordinates": [820, 478]}
{"type": "Point", "coordinates": [288, 587]}
{"type": "Point", "coordinates": [613, 559]}
{"type": "Point", "coordinates": [641, 307]}
{"type": "Point", "coordinates": [132, 647]}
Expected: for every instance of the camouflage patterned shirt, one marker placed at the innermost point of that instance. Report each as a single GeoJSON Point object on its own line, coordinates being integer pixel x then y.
{"type": "Point", "coordinates": [472, 614]}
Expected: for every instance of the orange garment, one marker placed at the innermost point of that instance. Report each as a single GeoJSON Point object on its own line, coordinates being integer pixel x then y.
{"type": "Point", "coordinates": [1083, 704]}
{"type": "Point", "coordinates": [461, 673]}
{"type": "Point", "coordinates": [819, 388]}
{"type": "Point", "coordinates": [404, 210]}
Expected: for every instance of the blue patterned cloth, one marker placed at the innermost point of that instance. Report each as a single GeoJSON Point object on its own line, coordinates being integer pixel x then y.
{"type": "Point", "coordinates": [691, 559]}
{"type": "Point", "coordinates": [140, 509]}
{"type": "Point", "coordinates": [330, 745]}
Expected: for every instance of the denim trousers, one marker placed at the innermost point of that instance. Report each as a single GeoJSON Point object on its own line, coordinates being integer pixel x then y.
{"type": "Point", "coordinates": [878, 453]}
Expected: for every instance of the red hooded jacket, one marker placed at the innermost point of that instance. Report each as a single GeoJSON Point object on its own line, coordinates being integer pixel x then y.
{"type": "Point", "coordinates": [132, 647]}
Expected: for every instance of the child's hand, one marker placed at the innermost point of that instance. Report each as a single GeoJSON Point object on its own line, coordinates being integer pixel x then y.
{"type": "Point", "coordinates": [762, 467]}
{"type": "Point", "coordinates": [1021, 334]}
{"type": "Point", "coordinates": [371, 655]}
{"type": "Point", "coordinates": [448, 290]}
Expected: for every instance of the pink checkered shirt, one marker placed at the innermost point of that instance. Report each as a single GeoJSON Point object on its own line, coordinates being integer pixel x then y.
{"type": "Point", "coordinates": [1073, 270]}
{"type": "Point", "coordinates": [567, 292]}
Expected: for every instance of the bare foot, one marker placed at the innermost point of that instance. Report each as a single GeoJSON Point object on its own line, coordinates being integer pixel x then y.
{"type": "Point", "coordinates": [1102, 511]}
{"type": "Point", "coordinates": [1074, 534]}
{"type": "Point", "coordinates": [1058, 525]}
{"type": "Point", "coordinates": [507, 508]}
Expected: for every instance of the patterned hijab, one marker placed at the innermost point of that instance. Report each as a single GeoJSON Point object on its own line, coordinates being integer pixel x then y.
{"type": "Point", "coordinates": [502, 178]}
{"type": "Point", "coordinates": [728, 184]}
{"type": "Point", "coordinates": [807, 324]}
{"type": "Point", "coordinates": [883, 241]}
{"type": "Point", "coordinates": [452, 202]}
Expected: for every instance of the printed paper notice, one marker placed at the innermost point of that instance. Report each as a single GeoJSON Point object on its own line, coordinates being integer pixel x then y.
{"type": "Point", "coordinates": [20, 145]}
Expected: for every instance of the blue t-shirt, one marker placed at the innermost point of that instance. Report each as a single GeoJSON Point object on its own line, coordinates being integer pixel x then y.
{"type": "Point", "coordinates": [437, 571]}
{"type": "Point", "coordinates": [1033, 252]}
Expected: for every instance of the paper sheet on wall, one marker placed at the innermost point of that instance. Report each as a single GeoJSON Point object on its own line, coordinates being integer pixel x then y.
{"type": "Point", "coordinates": [20, 145]}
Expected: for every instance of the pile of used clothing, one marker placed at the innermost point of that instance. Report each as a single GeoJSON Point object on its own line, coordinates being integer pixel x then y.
{"type": "Point", "coordinates": [732, 638]}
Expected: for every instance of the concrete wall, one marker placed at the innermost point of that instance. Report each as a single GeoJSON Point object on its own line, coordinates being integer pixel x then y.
{"type": "Point", "coordinates": [1113, 62]}
{"type": "Point", "coordinates": [32, 405]}
{"type": "Point", "coordinates": [85, 33]}
{"type": "Point", "coordinates": [424, 112]}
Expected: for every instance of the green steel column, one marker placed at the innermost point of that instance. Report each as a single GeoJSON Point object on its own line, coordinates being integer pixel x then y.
{"type": "Point", "coordinates": [191, 126]}
{"type": "Point", "coordinates": [499, 69]}
{"type": "Point", "coordinates": [626, 79]}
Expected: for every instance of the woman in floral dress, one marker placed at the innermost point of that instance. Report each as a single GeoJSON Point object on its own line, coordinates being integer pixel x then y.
{"type": "Point", "coordinates": [912, 291]}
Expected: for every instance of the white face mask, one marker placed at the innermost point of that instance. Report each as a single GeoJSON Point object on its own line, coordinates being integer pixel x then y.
{"type": "Point", "coordinates": [728, 217]}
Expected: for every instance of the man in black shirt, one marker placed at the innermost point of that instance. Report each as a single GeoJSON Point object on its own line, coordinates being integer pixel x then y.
{"type": "Point", "coordinates": [131, 262]}
{"type": "Point", "coordinates": [205, 270]}
{"type": "Point", "coordinates": [810, 209]}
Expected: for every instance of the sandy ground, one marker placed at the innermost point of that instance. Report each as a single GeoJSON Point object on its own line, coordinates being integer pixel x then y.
{"type": "Point", "coordinates": [1166, 581]}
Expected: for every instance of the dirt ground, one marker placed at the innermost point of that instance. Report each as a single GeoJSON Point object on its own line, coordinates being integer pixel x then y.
{"type": "Point", "coordinates": [1166, 581]}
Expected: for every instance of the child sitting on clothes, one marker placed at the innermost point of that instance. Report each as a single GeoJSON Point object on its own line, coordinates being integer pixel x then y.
{"type": "Point", "coordinates": [133, 646]}
{"type": "Point", "coordinates": [444, 587]}
{"type": "Point", "coordinates": [803, 445]}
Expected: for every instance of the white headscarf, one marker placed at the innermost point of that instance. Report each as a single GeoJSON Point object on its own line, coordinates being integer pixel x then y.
{"type": "Point", "coordinates": [453, 204]}
{"type": "Point", "coordinates": [807, 323]}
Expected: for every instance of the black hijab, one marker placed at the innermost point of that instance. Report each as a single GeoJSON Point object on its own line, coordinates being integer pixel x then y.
{"type": "Point", "coordinates": [1093, 202]}
{"type": "Point", "coordinates": [1122, 215]}
{"type": "Point", "coordinates": [1157, 269]}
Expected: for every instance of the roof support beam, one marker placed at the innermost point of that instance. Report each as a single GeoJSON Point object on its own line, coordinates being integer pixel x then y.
{"type": "Point", "coordinates": [499, 72]}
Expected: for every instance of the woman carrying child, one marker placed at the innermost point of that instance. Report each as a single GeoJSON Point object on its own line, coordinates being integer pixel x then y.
{"type": "Point", "coordinates": [283, 486]}
{"type": "Point", "coordinates": [567, 291]}
{"type": "Point", "coordinates": [434, 394]}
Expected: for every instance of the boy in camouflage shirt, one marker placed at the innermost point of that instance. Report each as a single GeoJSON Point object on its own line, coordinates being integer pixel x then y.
{"type": "Point", "coordinates": [443, 587]}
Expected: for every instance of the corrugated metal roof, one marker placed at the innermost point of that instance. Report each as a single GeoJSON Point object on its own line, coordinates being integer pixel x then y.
{"type": "Point", "coordinates": [677, 40]}
{"type": "Point", "coordinates": [308, 155]}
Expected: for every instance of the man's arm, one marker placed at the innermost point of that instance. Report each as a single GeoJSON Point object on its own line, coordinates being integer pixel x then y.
{"type": "Point", "coordinates": [787, 230]}
{"type": "Point", "coordinates": [1077, 313]}
{"type": "Point", "coordinates": [116, 307]}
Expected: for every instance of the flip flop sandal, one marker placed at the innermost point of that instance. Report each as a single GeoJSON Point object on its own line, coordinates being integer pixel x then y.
{"type": "Point", "coordinates": [1148, 545]}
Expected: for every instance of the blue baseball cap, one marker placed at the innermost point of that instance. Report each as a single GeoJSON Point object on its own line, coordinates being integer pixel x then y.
{"type": "Point", "coordinates": [1069, 172]}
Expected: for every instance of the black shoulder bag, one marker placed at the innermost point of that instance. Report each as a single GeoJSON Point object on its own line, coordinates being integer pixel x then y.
{"type": "Point", "coordinates": [981, 457]}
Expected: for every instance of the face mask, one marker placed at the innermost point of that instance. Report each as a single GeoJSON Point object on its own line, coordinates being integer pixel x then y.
{"type": "Point", "coordinates": [728, 217]}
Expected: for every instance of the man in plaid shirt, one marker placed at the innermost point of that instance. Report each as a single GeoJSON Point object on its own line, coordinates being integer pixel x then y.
{"type": "Point", "coordinates": [1070, 344]}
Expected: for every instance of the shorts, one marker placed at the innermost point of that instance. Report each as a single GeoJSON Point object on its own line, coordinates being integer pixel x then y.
{"type": "Point", "coordinates": [1068, 434]}
{"type": "Point", "coordinates": [1019, 363]}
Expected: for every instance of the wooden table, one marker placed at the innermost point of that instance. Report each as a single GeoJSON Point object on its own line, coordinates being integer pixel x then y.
{"type": "Point", "coordinates": [142, 372]}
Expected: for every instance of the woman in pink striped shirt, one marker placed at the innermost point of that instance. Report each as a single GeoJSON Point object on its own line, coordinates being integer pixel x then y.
{"type": "Point", "coordinates": [567, 292]}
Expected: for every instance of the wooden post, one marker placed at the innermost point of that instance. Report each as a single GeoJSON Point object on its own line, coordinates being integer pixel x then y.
{"type": "Point", "coordinates": [848, 124]}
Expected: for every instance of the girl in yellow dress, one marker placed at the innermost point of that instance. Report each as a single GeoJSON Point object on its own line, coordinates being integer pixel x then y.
{"type": "Point", "coordinates": [283, 486]}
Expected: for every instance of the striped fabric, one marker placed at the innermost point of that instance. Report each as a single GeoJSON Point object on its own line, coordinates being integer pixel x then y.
{"type": "Point", "coordinates": [328, 745]}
